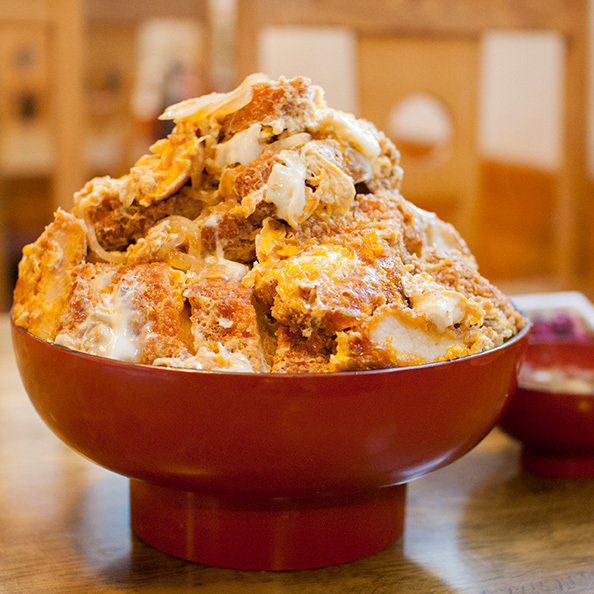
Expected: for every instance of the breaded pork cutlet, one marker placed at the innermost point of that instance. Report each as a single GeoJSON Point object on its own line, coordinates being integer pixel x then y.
{"type": "Point", "coordinates": [132, 313]}
{"type": "Point", "coordinates": [265, 233]}
{"type": "Point", "coordinates": [44, 280]}
{"type": "Point", "coordinates": [223, 315]}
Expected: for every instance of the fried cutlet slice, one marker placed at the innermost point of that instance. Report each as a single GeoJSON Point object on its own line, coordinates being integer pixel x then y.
{"type": "Point", "coordinates": [240, 181]}
{"type": "Point", "coordinates": [117, 225]}
{"type": "Point", "coordinates": [228, 227]}
{"type": "Point", "coordinates": [433, 324]}
{"type": "Point", "coordinates": [454, 273]}
{"type": "Point", "coordinates": [223, 318]}
{"type": "Point", "coordinates": [44, 281]}
{"type": "Point", "coordinates": [322, 289]}
{"type": "Point", "coordinates": [131, 313]}
{"type": "Point", "coordinates": [292, 101]}
{"type": "Point", "coordinates": [296, 354]}
{"type": "Point", "coordinates": [394, 336]}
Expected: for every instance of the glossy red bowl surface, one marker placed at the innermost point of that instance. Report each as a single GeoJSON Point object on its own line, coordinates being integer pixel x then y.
{"type": "Point", "coordinates": [267, 471]}
{"type": "Point", "coordinates": [555, 427]}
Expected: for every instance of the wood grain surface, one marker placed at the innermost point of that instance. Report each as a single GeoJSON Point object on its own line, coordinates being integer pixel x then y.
{"type": "Point", "coordinates": [481, 525]}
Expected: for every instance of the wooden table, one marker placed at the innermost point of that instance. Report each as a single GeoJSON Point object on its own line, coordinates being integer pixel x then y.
{"type": "Point", "coordinates": [480, 525]}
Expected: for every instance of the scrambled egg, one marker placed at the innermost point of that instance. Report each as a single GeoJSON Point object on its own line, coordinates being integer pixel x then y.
{"type": "Point", "coordinates": [266, 233]}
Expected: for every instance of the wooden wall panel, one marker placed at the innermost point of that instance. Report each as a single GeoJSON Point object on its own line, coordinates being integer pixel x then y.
{"type": "Point", "coordinates": [516, 222]}
{"type": "Point", "coordinates": [445, 68]}
{"type": "Point", "coordinates": [109, 76]}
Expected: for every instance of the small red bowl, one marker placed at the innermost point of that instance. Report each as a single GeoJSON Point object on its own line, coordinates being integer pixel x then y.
{"type": "Point", "coordinates": [267, 471]}
{"type": "Point", "coordinates": [555, 426]}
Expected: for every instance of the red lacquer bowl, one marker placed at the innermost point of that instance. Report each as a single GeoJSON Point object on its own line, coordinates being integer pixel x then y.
{"type": "Point", "coordinates": [262, 471]}
{"type": "Point", "coordinates": [556, 428]}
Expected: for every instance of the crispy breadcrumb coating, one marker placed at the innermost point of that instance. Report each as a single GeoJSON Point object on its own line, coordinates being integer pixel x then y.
{"type": "Point", "coordinates": [265, 233]}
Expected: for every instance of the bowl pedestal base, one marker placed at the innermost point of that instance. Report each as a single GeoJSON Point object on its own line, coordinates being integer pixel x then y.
{"type": "Point", "coordinates": [266, 533]}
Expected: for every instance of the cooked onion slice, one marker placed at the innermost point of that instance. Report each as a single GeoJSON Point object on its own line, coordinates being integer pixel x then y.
{"type": "Point", "coordinates": [220, 104]}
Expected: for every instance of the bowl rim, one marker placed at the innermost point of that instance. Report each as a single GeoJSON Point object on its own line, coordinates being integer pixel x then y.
{"type": "Point", "coordinates": [165, 370]}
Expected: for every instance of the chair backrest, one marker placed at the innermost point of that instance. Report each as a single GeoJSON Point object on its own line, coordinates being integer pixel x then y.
{"type": "Point", "coordinates": [451, 29]}
{"type": "Point", "coordinates": [56, 25]}
{"type": "Point", "coordinates": [438, 76]}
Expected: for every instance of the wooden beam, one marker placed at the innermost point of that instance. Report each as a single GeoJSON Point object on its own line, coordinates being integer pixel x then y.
{"type": "Point", "coordinates": [433, 17]}
{"type": "Point", "coordinates": [12, 11]}
{"type": "Point", "coordinates": [133, 11]}
{"type": "Point", "coordinates": [68, 99]}
{"type": "Point", "coordinates": [571, 216]}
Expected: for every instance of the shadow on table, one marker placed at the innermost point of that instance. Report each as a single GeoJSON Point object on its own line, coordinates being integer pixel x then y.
{"type": "Point", "coordinates": [119, 560]}
{"type": "Point", "coordinates": [387, 571]}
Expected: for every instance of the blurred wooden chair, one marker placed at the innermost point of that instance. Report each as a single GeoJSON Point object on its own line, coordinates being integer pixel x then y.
{"type": "Point", "coordinates": [435, 37]}
{"type": "Point", "coordinates": [61, 23]}
{"type": "Point", "coordinates": [57, 28]}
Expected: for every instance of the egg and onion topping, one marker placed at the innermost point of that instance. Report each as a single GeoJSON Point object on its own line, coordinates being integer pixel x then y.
{"type": "Point", "coordinates": [265, 233]}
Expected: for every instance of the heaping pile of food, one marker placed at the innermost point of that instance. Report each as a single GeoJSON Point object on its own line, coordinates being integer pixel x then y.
{"type": "Point", "coordinates": [266, 233]}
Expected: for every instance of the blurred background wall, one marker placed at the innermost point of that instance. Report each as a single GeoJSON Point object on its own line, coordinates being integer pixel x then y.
{"type": "Point", "coordinates": [494, 122]}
